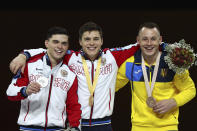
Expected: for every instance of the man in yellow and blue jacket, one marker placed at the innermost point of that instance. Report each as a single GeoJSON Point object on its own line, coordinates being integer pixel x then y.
{"type": "Point", "coordinates": [170, 90]}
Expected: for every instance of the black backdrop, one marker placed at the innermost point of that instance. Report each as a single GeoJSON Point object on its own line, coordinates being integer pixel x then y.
{"type": "Point", "coordinates": [25, 27]}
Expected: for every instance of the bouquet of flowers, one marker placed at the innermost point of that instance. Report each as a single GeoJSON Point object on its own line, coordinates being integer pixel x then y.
{"type": "Point", "coordinates": [180, 56]}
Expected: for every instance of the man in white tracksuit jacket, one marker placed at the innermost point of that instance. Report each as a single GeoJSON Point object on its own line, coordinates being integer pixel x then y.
{"type": "Point", "coordinates": [48, 88]}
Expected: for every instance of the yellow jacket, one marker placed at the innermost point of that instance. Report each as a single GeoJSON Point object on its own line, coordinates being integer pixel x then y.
{"type": "Point", "coordinates": [167, 85]}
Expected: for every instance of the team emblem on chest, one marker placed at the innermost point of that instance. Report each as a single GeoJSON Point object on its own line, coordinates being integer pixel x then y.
{"type": "Point", "coordinates": [164, 72]}
{"type": "Point", "coordinates": [103, 61]}
{"type": "Point", "coordinates": [64, 73]}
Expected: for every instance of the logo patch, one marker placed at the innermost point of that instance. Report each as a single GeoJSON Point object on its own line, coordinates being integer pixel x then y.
{"type": "Point", "coordinates": [103, 61]}
{"type": "Point", "coordinates": [164, 72]}
{"type": "Point", "coordinates": [64, 73]}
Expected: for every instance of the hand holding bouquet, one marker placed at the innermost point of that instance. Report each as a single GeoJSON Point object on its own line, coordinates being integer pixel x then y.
{"type": "Point", "coordinates": [180, 56]}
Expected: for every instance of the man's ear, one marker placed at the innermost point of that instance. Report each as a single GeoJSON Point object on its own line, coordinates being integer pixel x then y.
{"type": "Point", "coordinates": [80, 42]}
{"type": "Point", "coordinates": [46, 42]}
{"type": "Point", "coordinates": [102, 41]}
{"type": "Point", "coordinates": [160, 39]}
{"type": "Point", "coordinates": [137, 39]}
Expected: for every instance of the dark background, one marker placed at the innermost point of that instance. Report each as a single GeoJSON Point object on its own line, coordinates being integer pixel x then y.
{"type": "Point", "coordinates": [24, 25]}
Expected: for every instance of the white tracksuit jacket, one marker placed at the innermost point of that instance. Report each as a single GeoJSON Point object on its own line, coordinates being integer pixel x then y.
{"type": "Point", "coordinates": [54, 103]}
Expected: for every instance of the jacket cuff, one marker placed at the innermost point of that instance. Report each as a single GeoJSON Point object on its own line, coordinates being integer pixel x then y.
{"type": "Point", "coordinates": [23, 92]}
{"type": "Point", "coordinates": [75, 129]}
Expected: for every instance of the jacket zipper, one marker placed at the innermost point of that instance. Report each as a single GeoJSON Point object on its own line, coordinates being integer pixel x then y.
{"type": "Point", "coordinates": [109, 97]}
{"type": "Point", "coordinates": [27, 111]}
{"type": "Point", "coordinates": [49, 96]}
{"type": "Point", "coordinates": [150, 75]}
{"type": "Point", "coordinates": [92, 73]}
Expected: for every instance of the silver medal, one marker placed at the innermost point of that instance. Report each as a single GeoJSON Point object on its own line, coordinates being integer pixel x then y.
{"type": "Point", "coordinates": [43, 81]}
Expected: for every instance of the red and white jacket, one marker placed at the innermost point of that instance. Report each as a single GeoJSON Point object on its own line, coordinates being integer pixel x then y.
{"type": "Point", "coordinates": [53, 104]}
{"type": "Point", "coordinates": [105, 89]}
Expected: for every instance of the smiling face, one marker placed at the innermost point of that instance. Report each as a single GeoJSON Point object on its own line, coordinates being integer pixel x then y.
{"type": "Point", "coordinates": [91, 43]}
{"type": "Point", "coordinates": [149, 40]}
{"type": "Point", "coordinates": [57, 45]}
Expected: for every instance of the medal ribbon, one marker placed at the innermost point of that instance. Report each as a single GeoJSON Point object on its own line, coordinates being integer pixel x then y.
{"type": "Point", "coordinates": [90, 86]}
{"type": "Point", "coordinates": [148, 88]}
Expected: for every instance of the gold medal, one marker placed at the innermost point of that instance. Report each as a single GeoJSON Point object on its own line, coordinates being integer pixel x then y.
{"type": "Point", "coordinates": [91, 99]}
{"type": "Point", "coordinates": [91, 86]}
{"type": "Point", "coordinates": [150, 101]}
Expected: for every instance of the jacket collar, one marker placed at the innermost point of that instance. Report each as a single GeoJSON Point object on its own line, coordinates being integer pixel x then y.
{"type": "Point", "coordinates": [48, 62]}
{"type": "Point", "coordinates": [86, 57]}
{"type": "Point", "coordinates": [162, 63]}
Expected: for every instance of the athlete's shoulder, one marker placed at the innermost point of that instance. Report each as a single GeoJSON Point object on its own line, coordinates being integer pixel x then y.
{"type": "Point", "coordinates": [36, 57]}
{"type": "Point", "coordinates": [69, 52]}
{"type": "Point", "coordinates": [124, 47]}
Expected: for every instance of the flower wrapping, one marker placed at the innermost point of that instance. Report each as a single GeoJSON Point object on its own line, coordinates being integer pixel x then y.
{"type": "Point", "coordinates": [180, 56]}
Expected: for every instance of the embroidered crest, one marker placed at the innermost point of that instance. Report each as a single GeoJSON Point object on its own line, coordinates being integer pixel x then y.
{"type": "Point", "coordinates": [64, 73]}
{"type": "Point", "coordinates": [103, 61]}
{"type": "Point", "coordinates": [164, 72]}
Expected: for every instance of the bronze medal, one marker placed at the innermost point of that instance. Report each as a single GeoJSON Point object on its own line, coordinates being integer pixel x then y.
{"type": "Point", "coordinates": [91, 99]}
{"type": "Point", "coordinates": [151, 101]}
